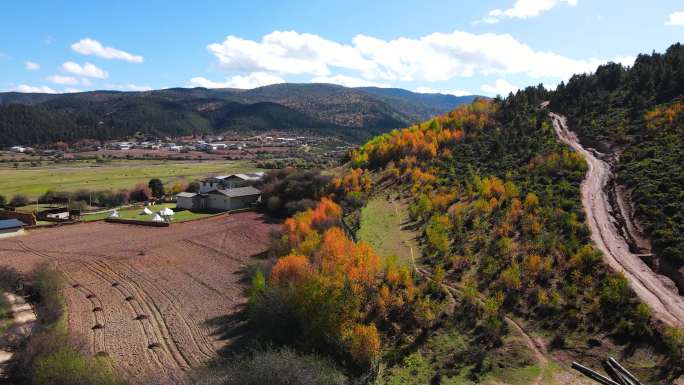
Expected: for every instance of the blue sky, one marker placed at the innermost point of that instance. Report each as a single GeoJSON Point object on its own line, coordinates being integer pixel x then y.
{"type": "Point", "coordinates": [478, 47]}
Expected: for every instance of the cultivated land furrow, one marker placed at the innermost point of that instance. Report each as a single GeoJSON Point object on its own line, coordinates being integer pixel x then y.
{"type": "Point", "coordinates": [666, 303]}
{"type": "Point", "coordinates": [187, 332]}
{"type": "Point", "coordinates": [151, 334]}
{"type": "Point", "coordinates": [182, 280]}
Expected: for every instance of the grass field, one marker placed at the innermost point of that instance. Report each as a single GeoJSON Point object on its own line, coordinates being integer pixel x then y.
{"type": "Point", "coordinates": [135, 213]}
{"type": "Point", "coordinates": [383, 225]}
{"type": "Point", "coordinates": [109, 176]}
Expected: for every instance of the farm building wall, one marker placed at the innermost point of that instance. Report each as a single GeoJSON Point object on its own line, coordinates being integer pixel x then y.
{"type": "Point", "coordinates": [185, 203]}
{"type": "Point", "coordinates": [219, 202]}
{"type": "Point", "coordinates": [237, 203]}
{"type": "Point", "coordinates": [28, 219]}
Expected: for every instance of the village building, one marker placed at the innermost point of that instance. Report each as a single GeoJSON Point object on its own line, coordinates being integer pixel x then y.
{"type": "Point", "coordinates": [219, 200]}
{"type": "Point", "coordinates": [225, 182]}
{"type": "Point", "coordinates": [223, 193]}
{"type": "Point", "coordinates": [11, 227]}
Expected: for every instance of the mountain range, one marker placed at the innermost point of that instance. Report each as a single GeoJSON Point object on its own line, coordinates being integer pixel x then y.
{"type": "Point", "coordinates": [353, 113]}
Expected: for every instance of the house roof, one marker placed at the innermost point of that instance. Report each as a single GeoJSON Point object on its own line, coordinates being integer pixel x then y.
{"type": "Point", "coordinates": [186, 195]}
{"type": "Point", "coordinates": [250, 176]}
{"type": "Point", "coordinates": [237, 192]}
{"type": "Point", "coordinates": [6, 224]}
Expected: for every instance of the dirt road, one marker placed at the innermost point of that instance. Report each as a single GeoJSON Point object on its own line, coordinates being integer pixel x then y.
{"type": "Point", "coordinates": [655, 290]}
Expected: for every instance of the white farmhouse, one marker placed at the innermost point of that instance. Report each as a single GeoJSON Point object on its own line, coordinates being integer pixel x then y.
{"type": "Point", "coordinates": [224, 182]}
{"type": "Point", "coordinates": [219, 200]}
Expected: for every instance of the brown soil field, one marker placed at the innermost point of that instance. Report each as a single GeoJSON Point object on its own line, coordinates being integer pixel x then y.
{"type": "Point", "coordinates": [152, 299]}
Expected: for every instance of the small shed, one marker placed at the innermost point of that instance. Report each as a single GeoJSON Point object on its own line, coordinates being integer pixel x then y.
{"type": "Point", "coordinates": [185, 200]}
{"type": "Point", "coordinates": [11, 227]}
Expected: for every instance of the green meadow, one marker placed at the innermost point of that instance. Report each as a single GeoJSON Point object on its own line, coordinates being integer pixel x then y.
{"type": "Point", "coordinates": [114, 175]}
{"type": "Point", "coordinates": [384, 224]}
{"type": "Point", "coordinates": [136, 214]}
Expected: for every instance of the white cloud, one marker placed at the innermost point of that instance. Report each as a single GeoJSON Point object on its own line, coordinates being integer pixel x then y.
{"type": "Point", "coordinates": [675, 19]}
{"type": "Point", "coordinates": [430, 90]}
{"type": "Point", "coordinates": [524, 9]}
{"type": "Point", "coordinates": [287, 52]}
{"type": "Point", "coordinates": [89, 46]}
{"type": "Point", "coordinates": [129, 87]}
{"type": "Point", "coordinates": [347, 81]}
{"type": "Point", "coordinates": [31, 89]}
{"type": "Point", "coordinates": [71, 90]}
{"type": "Point", "coordinates": [500, 87]}
{"type": "Point", "coordinates": [431, 58]}
{"type": "Point", "coordinates": [32, 66]}
{"type": "Point", "coordinates": [253, 80]}
{"type": "Point", "coordinates": [88, 70]}
{"type": "Point", "coordinates": [60, 79]}
{"type": "Point", "coordinates": [627, 61]}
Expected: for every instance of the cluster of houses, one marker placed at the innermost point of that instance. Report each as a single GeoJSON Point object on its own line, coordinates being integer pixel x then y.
{"type": "Point", "coordinates": [223, 193]}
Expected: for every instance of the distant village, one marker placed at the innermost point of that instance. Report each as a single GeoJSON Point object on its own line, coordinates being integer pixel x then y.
{"type": "Point", "coordinates": [253, 147]}
{"type": "Point", "coordinates": [206, 144]}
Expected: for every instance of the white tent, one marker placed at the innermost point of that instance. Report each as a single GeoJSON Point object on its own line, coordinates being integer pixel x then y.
{"type": "Point", "coordinates": [167, 212]}
{"type": "Point", "coordinates": [114, 214]}
{"type": "Point", "coordinates": [157, 218]}
{"type": "Point", "coordinates": [147, 211]}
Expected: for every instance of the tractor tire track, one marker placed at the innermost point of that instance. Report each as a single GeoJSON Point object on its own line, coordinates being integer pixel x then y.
{"type": "Point", "coordinates": [197, 337]}
{"type": "Point", "coordinates": [125, 293]}
{"type": "Point", "coordinates": [160, 332]}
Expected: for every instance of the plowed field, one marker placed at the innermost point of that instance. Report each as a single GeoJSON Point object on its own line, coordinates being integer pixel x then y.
{"type": "Point", "coordinates": [148, 297]}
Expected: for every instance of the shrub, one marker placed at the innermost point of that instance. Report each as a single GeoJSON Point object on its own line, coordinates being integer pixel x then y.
{"type": "Point", "coordinates": [9, 278]}
{"type": "Point", "coordinates": [19, 200]}
{"type": "Point", "coordinates": [140, 193]}
{"type": "Point", "coordinates": [365, 344]}
{"type": "Point", "coordinates": [272, 367]}
{"type": "Point", "coordinates": [67, 364]}
{"type": "Point", "coordinates": [156, 187]}
{"type": "Point", "coordinates": [52, 357]}
{"type": "Point", "coordinates": [193, 187]}
{"type": "Point", "coordinates": [272, 314]}
{"type": "Point", "coordinates": [295, 190]}
{"type": "Point", "coordinates": [45, 290]}
{"type": "Point", "coordinates": [3, 200]}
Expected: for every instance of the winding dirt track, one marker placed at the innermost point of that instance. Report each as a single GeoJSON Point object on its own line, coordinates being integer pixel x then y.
{"type": "Point", "coordinates": [653, 289]}
{"type": "Point", "coordinates": [152, 299]}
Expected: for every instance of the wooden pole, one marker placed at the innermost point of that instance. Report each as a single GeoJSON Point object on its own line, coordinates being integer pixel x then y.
{"type": "Point", "coordinates": [623, 371]}
{"type": "Point", "coordinates": [593, 375]}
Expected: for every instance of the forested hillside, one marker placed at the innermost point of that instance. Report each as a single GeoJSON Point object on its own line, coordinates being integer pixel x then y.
{"type": "Point", "coordinates": [356, 114]}
{"type": "Point", "coordinates": [638, 113]}
{"type": "Point", "coordinates": [495, 201]}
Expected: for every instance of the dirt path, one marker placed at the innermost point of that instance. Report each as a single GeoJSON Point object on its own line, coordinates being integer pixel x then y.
{"type": "Point", "coordinates": [535, 345]}
{"type": "Point", "coordinates": [655, 290]}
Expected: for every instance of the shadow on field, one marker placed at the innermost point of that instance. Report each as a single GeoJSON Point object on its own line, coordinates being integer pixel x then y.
{"type": "Point", "coordinates": [233, 329]}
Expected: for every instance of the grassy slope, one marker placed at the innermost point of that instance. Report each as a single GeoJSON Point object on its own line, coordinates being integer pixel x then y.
{"type": "Point", "coordinates": [384, 224]}
{"type": "Point", "coordinates": [115, 175]}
